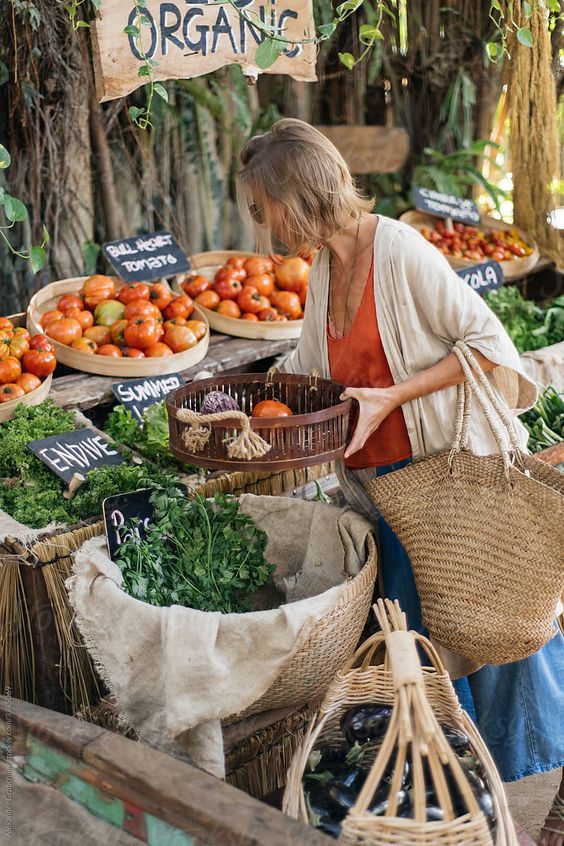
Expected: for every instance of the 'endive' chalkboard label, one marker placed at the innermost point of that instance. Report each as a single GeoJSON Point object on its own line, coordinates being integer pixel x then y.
{"type": "Point", "coordinates": [73, 452]}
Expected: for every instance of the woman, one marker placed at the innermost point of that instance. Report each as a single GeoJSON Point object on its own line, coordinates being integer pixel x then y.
{"type": "Point", "coordinates": [384, 310]}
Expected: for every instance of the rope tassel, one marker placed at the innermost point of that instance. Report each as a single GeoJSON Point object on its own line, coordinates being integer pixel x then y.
{"type": "Point", "coordinates": [246, 446]}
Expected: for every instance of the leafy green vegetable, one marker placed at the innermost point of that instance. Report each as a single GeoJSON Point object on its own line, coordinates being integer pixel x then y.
{"type": "Point", "coordinates": [151, 438]}
{"type": "Point", "coordinates": [529, 326]}
{"type": "Point", "coordinates": [545, 421]}
{"type": "Point", "coordinates": [199, 553]}
{"type": "Point", "coordinates": [33, 495]}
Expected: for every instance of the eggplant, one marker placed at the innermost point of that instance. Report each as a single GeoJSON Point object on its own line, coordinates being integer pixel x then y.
{"type": "Point", "coordinates": [434, 812]}
{"type": "Point", "coordinates": [366, 722]}
{"type": "Point", "coordinates": [350, 775]}
{"type": "Point", "coordinates": [342, 795]}
{"type": "Point", "coordinates": [458, 741]}
{"type": "Point", "coordinates": [323, 807]}
{"type": "Point", "coordinates": [333, 829]}
{"type": "Point", "coordinates": [389, 772]}
{"type": "Point", "coordinates": [381, 799]}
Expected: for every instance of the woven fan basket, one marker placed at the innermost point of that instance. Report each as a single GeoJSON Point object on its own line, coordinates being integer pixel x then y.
{"type": "Point", "coordinates": [484, 535]}
{"type": "Point", "coordinates": [422, 697]}
{"type": "Point", "coordinates": [316, 432]}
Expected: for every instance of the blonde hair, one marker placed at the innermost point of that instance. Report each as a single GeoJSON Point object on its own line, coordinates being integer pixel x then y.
{"type": "Point", "coordinates": [297, 173]}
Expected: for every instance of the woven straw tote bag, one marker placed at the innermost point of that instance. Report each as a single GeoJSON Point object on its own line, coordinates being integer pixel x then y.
{"type": "Point", "coordinates": [485, 535]}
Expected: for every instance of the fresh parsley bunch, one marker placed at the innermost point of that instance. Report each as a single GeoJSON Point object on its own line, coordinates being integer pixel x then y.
{"type": "Point", "coordinates": [204, 554]}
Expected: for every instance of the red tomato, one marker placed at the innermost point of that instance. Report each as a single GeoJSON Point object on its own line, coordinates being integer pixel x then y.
{"type": "Point", "coordinates": [85, 345]}
{"type": "Point", "coordinates": [303, 294]}
{"type": "Point", "coordinates": [110, 350]}
{"type": "Point", "coordinates": [17, 346]}
{"type": "Point", "coordinates": [227, 288]}
{"type": "Point", "coordinates": [160, 295]}
{"type": "Point", "coordinates": [180, 338]}
{"type": "Point", "coordinates": [175, 321]}
{"type": "Point", "coordinates": [28, 382]}
{"type": "Point", "coordinates": [39, 361]}
{"type": "Point", "coordinates": [131, 352]}
{"type": "Point", "coordinates": [181, 306]}
{"type": "Point", "coordinates": [20, 332]}
{"type": "Point", "coordinates": [250, 300]}
{"type": "Point", "coordinates": [49, 317]}
{"type": "Point", "coordinates": [158, 350]}
{"type": "Point", "coordinates": [6, 324]}
{"type": "Point", "coordinates": [208, 299]}
{"type": "Point", "coordinates": [141, 308]}
{"type": "Point", "coordinates": [229, 308]}
{"type": "Point", "coordinates": [116, 332]}
{"type": "Point", "coordinates": [68, 301]}
{"type": "Point", "coordinates": [141, 333]}
{"type": "Point", "coordinates": [288, 304]}
{"type": "Point", "coordinates": [271, 408]}
{"type": "Point", "coordinates": [99, 334]}
{"type": "Point", "coordinates": [263, 282]}
{"type": "Point", "coordinates": [195, 285]}
{"type": "Point", "coordinates": [198, 327]}
{"type": "Point", "coordinates": [41, 342]}
{"type": "Point", "coordinates": [292, 274]}
{"type": "Point", "coordinates": [249, 316]}
{"type": "Point", "coordinates": [227, 273]}
{"type": "Point", "coordinates": [97, 288]}
{"type": "Point", "coordinates": [133, 291]}
{"type": "Point", "coordinates": [270, 315]}
{"type": "Point", "coordinates": [10, 369]}
{"type": "Point", "coordinates": [64, 331]}
{"type": "Point", "coordinates": [85, 318]}
{"type": "Point", "coordinates": [11, 391]}
{"type": "Point", "coordinates": [236, 262]}
{"type": "Point", "coordinates": [258, 264]}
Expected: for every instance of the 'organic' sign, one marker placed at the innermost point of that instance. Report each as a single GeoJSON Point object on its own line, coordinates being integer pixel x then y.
{"type": "Point", "coordinates": [188, 38]}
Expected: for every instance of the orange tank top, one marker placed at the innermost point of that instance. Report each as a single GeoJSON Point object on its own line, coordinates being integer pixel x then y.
{"type": "Point", "coordinates": [358, 361]}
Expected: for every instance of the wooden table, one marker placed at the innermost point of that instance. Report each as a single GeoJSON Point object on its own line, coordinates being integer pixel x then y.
{"type": "Point", "coordinates": [85, 390]}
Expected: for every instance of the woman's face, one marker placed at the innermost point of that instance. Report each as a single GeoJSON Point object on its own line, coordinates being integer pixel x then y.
{"type": "Point", "coordinates": [263, 210]}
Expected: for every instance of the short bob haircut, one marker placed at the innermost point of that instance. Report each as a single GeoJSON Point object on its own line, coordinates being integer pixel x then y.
{"type": "Point", "coordinates": [296, 169]}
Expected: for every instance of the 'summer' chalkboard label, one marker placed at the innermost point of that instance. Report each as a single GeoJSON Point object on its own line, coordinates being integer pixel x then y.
{"type": "Point", "coordinates": [143, 258]}
{"type": "Point", "coordinates": [483, 277]}
{"type": "Point", "coordinates": [73, 452]}
{"type": "Point", "coordinates": [138, 394]}
{"type": "Point", "coordinates": [445, 205]}
{"type": "Point", "coordinates": [128, 515]}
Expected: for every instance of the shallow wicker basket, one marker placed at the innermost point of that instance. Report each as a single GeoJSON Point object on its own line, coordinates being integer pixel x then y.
{"type": "Point", "coordinates": [317, 432]}
{"type": "Point", "coordinates": [8, 409]}
{"type": "Point", "coordinates": [46, 299]}
{"type": "Point", "coordinates": [422, 697]}
{"type": "Point", "coordinates": [512, 268]}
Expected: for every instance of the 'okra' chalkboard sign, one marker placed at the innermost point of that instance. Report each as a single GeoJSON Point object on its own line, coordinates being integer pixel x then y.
{"type": "Point", "coordinates": [483, 277]}
{"type": "Point", "coordinates": [445, 205]}
{"type": "Point", "coordinates": [146, 257]}
{"type": "Point", "coordinates": [73, 452]}
{"type": "Point", "coordinates": [138, 394]}
{"type": "Point", "coordinates": [128, 515]}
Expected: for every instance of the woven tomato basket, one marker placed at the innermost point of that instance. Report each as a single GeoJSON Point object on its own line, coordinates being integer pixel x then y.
{"type": "Point", "coordinates": [316, 432]}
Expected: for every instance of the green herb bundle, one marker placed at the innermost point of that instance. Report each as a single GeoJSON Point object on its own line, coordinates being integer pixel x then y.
{"type": "Point", "coordinates": [204, 554]}
{"type": "Point", "coordinates": [33, 495]}
{"type": "Point", "coordinates": [529, 326]}
{"type": "Point", "coordinates": [545, 421]}
{"type": "Point", "coordinates": [150, 438]}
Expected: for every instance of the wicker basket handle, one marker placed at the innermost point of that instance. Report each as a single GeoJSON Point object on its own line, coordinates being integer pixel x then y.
{"type": "Point", "coordinates": [246, 446]}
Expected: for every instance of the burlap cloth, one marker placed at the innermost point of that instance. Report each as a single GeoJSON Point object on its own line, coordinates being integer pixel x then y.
{"type": "Point", "coordinates": [546, 366]}
{"type": "Point", "coordinates": [176, 672]}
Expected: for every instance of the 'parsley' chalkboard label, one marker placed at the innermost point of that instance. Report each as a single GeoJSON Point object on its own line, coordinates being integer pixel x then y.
{"type": "Point", "coordinates": [138, 394]}
{"type": "Point", "coordinates": [445, 205]}
{"type": "Point", "coordinates": [73, 452]}
{"type": "Point", "coordinates": [128, 516]}
{"type": "Point", "coordinates": [483, 277]}
{"type": "Point", "coordinates": [143, 258]}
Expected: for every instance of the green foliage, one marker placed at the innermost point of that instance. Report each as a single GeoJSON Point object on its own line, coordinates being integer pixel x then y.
{"type": "Point", "coordinates": [198, 553]}
{"type": "Point", "coordinates": [90, 252]}
{"type": "Point", "coordinates": [150, 438]}
{"type": "Point", "coordinates": [545, 421]}
{"type": "Point", "coordinates": [529, 326]}
{"type": "Point", "coordinates": [16, 212]}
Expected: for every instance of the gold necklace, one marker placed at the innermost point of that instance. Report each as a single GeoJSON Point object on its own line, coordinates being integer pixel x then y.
{"type": "Point", "coordinates": [332, 292]}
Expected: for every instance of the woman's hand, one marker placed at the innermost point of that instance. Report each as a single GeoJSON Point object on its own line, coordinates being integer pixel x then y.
{"type": "Point", "coordinates": [375, 405]}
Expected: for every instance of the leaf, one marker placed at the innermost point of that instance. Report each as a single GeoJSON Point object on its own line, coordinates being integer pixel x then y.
{"type": "Point", "coordinates": [5, 159]}
{"type": "Point", "coordinates": [368, 34]}
{"type": "Point", "coordinates": [267, 53]}
{"type": "Point", "coordinates": [328, 29]}
{"type": "Point", "coordinates": [161, 91]}
{"type": "Point", "coordinates": [14, 209]}
{"type": "Point", "coordinates": [37, 258]}
{"type": "Point", "coordinates": [144, 70]}
{"type": "Point", "coordinates": [554, 6]}
{"type": "Point", "coordinates": [132, 30]}
{"type": "Point", "coordinates": [134, 112]}
{"type": "Point", "coordinates": [347, 59]}
{"type": "Point", "coordinates": [496, 5]}
{"type": "Point", "coordinates": [525, 36]}
{"type": "Point", "coordinates": [90, 252]}
{"type": "Point", "coordinates": [348, 6]}
{"type": "Point", "coordinates": [97, 4]}
{"type": "Point", "coordinates": [492, 50]}
{"type": "Point", "coordinates": [45, 234]}
{"type": "Point", "coordinates": [83, 24]}
{"type": "Point", "coordinates": [527, 10]}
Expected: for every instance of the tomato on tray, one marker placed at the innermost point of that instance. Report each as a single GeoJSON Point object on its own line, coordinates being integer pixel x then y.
{"type": "Point", "coordinates": [11, 391]}
{"type": "Point", "coordinates": [160, 295]}
{"type": "Point", "coordinates": [109, 350]}
{"type": "Point", "coordinates": [158, 350]}
{"type": "Point", "coordinates": [28, 382]}
{"type": "Point", "coordinates": [10, 369]}
{"type": "Point", "coordinates": [181, 306]}
{"type": "Point", "coordinates": [195, 285]}
{"type": "Point", "coordinates": [85, 345]}
{"type": "Point", "coordinates": [179, 338]}
{"type": "Point", "coordinates": [133, 291]}
{"type": "Point", "coordinates": [97, 288]}
{"type": "Point", "coordinates": [39, 361]}
{"type": "Point", "coordinates": [141, 333]}
{"type": "Point", "coordinates": [64, 331]}
{"type": "Point", "coordinates": [229, 308]}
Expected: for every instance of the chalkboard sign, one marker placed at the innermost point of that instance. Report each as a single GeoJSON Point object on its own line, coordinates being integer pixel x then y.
{"type": "Point", "coordinates": [446, 205]}
{"type": "Point", "coordinates": [483, 277]}
{"type": "Point", "coordinates": [73, 452]}
{"type": "Point", "coordinates": [138, 394]}
{"type": "Point", "coordinates": [128, 515]}
{"type": "Point", "coordinates": [146, 257]}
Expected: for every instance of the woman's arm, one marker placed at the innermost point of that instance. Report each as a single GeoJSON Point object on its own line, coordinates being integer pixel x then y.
{"type": "Point", "coordinates": [377, 403]}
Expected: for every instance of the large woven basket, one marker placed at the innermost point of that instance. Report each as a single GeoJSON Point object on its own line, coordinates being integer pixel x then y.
{"type": "Point", "coordinates": [484, 535]}
{"type": "Point", "coordinates": [316, 433]}
{"type": "Point", "coordinates": [422, 698]}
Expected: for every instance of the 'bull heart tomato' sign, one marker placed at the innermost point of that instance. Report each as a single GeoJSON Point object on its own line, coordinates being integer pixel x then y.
{"type": "Point", "coordinates": [188, 38]}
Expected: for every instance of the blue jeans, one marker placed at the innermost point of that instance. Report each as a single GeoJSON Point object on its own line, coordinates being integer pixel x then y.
{"type": "Point", "coordinates": [519, 707]}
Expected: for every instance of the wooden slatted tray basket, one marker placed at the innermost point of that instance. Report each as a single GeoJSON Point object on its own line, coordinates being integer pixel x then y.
{"type": "Point", "coordinates": [207, 264]}
{"type": "Point", "coordinates": [317, 431]}
{"type": "Point", "coordinates": [46, 299]}
{"type": "Point", "coordinates": [512, 268]}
